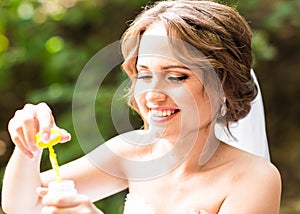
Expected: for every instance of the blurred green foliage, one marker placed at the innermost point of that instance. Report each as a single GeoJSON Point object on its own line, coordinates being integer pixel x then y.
{"type": "Point", "coordinates": [44, 45]}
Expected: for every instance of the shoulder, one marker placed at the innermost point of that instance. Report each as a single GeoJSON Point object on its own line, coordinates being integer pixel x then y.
{"type": "Point", "coordinates": [114, 156]}
{"type": "Point", "coordinates": [245, 166]}
{"type": "Point", "coordinates": [258, 170]}
{"type": "Point", "coordinates": [127, 144]}
{"type": "Point", "coordinates": [253, 171]}
{"type": "Point", "coordinates": [256, 186]}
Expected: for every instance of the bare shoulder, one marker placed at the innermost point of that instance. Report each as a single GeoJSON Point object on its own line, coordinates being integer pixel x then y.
{"type": "Point", "coordinates": [256, 186]}
{"type": "Point", "coordinates": [253, 171]}
{"type": "Point", "coordinates": [126, 144]}
{"type": "Point", "coordinates": [258, 169]}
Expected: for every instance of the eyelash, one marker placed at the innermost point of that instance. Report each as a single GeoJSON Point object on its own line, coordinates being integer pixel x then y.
{"type": "Point", "coordinates": [169, 77]}
{"type": "Point", "coordinates": [144, 77]}
{"type": "Point", "coordinates": [179, 78]}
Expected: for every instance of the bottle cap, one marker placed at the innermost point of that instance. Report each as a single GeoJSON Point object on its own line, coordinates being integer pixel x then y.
{"type": "Point", "coordinates": [55, 137]}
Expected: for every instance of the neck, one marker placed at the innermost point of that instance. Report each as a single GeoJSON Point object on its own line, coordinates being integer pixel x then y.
{"type": "Point", "coordinates": [193, 146]}
{"type": "Point", "coordinates": [190, 150]}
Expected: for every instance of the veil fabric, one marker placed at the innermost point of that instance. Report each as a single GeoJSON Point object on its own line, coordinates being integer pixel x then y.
{"type": "Point", "coordinates": [249, 132]}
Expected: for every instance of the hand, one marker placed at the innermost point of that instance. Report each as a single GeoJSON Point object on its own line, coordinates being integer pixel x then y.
{"type": "Point", "coordinates": [66, 204]}
{"type": "Point", "coordinates": [30, 120]}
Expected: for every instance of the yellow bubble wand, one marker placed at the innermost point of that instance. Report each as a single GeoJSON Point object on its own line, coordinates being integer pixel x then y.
{"type": "Point", "coordinates": [55, 138]}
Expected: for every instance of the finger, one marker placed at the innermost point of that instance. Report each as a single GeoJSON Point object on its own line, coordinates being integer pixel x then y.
{"type": "Point", "coordinates": [66, 200]}
{"type": "Point", "coordinates": [30, 124]}
{"type": "Point", "coordinates": [42, 191]}
{"type": "Point", "coordinates": [71, 210]}
{"type": "Point", "coordinates": [15, 127]}
{"type": "Point", "coordinates": [49, 210]}
{"type": "Point", "coordinates": [65, 136]}
{"type": "Point", "coordinates": [46, 120]}
{"type": "Point", "coordinates": [17, 137]}
{"type": "Point", "coordinates": [22, 126]}
{"type": "Point", "coordinates": [25, 151]}
{"type": "Point", "coordinates": [85, 208]}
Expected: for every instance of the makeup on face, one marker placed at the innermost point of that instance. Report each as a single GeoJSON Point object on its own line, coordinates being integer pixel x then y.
{"type": "Point", "coordinates": [168, 93]}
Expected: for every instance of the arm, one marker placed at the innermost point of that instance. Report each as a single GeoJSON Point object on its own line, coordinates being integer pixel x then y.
{"type": "Point", "coordinates": [90, 179]}
{"type": "Point", "coordinates": [20, 181]}
{"type": "Point", "coordinates": [257, 192]}
{"type": "Point", "coordinates": [91, 183]}
{"type": "Point", "coordinates": [23, 177]}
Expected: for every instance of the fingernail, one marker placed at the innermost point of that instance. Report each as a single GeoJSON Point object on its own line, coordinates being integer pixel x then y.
{"type": "Point", "coordinates": [34, 147]}
{"type": "Point", "coordinates": [35, 153]}
{"type": "Point", "coordinates": [45, 137]}
{"type": "Point", "coordinates": [30, 155]}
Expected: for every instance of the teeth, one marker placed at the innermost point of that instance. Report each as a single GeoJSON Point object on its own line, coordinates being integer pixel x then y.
{"type": "Point", "coordinates": [162, 113]}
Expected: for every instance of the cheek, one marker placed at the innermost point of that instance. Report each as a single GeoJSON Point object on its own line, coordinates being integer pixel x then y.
{"type": "Point", "coordinates": [141, 87]}
{"type": "Point", "coordinates": [190, 96]}
{"type": "Point", "coordinates": [136, 95]}
{"type": "Point", "coordinates": [196, 103]}
{"type": "Point", "coordinates": [139, 99]}
{"type": "Point", "coordinates": [204, 109]}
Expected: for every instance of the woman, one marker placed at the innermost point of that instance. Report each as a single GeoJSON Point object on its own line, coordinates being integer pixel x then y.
{"type": "Point", "coordinates": [189, 62]}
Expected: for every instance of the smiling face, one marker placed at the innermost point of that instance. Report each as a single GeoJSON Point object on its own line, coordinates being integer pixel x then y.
{"type": "Point", "coordinates": [169, 95]}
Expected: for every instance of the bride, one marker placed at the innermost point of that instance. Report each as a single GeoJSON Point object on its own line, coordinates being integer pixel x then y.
{"type": "Point", "coordinates": [203, 147]}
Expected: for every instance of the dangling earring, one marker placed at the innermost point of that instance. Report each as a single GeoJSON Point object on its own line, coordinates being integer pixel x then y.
{"type": "Point", "coordinates": [223, 110]}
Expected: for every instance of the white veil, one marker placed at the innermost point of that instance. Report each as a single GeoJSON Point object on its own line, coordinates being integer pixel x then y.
{"type": "Point", "coordinates": [250, 132]}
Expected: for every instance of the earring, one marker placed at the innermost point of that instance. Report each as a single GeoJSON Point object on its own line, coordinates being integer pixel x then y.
{"type": "Point", "coordinates": [223, 110]}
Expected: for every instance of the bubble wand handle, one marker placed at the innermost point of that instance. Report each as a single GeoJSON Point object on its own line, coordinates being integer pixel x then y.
{"type": "Point", "coordinates": [54, 163]}
{"type": "Point", "coordinates": [55, 137]}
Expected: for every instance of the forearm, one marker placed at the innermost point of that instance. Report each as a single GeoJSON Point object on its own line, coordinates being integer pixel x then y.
{"type": "Point", "coordinates": [21, 178]}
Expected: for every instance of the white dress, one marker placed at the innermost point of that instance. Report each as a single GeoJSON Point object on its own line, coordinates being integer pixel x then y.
{"type": "Point", "coordinates": [136, 205]}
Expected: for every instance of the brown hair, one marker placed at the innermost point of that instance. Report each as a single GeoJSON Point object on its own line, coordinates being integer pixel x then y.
{"type": "Point", "coordinates": [218, 31]}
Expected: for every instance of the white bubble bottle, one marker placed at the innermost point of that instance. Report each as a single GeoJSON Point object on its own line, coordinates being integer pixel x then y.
{"type": "Point", "coordinates": [63, 187]}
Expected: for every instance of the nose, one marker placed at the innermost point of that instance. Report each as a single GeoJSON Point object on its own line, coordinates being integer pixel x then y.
{"type": "Point", "coordinates": [155, 96]}
{"type": "Point", "coordinates": [153, 89]}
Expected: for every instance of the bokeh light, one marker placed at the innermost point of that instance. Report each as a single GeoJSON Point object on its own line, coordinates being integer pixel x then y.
{"type": "Point", "coordinates": [54, 44]}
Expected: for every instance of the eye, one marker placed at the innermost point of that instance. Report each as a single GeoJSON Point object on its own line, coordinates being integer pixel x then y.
{"type": "Point", "coordinates": [176, 78]}
{"type": "Point", "coordinates": [144, 76]}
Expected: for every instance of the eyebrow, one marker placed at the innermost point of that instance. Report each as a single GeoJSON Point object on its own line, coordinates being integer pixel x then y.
{"type": "Point", "coordinates": [168, 67]}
